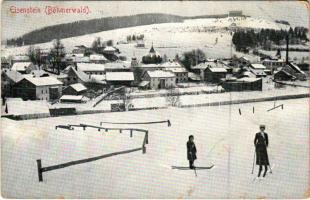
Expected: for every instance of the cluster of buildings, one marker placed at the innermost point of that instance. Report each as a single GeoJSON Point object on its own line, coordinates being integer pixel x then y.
{"type": "Point", "coordinates": [84, 75]}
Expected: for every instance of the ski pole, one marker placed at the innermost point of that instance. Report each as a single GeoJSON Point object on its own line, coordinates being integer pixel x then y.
{"type": "Point", "coordinates": [195, 171]}
{"type": "Point", "coordinates": [253, 163]}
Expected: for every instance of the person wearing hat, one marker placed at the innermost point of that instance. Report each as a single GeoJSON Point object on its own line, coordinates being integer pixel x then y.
{"type": "Point", "coordinates": [191, 151]}
{"type": "Point", "coordinates": [261, 143]}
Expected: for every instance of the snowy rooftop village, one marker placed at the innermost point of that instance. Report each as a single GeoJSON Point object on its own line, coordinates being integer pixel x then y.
{"type": "Point", "coordinates": [103, 107]}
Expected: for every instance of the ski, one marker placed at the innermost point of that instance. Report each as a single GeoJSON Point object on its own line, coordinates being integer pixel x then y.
{"type": "Point", "coordinates": [187, 168]}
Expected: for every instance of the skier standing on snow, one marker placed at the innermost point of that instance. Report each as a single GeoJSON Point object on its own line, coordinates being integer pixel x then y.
{"type": "Point", "coordinates": [261, 144]}
{"type": "Point", "coordinates": [191, 151]}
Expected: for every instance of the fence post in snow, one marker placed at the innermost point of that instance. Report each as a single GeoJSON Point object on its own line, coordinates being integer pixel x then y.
{"type": "Point", "coordinates": [40, 170]}
{"type": "Point", "coordinates": [146, 137]}
{"type": "Point", "coordinates": [131, 133]}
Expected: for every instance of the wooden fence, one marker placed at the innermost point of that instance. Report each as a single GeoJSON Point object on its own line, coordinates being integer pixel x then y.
{"type": "Point", "coordinates": [76, 162]}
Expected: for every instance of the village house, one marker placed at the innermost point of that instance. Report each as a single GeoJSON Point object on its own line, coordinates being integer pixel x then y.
{"type": "Point", "coordinates": [91, 68]}
{"type": "Point", "coordinates": [180, 73]}
{"type": "Point", "coordinates": [214, 74]}
{"type": "Point", "coordinates": [258, 70]}
{"type": "Point", "coordinates": [23, 67]}
{"type": "Point", "coordinates": [243, 84]}
{"type": "Point", "coordinates": [274, 64]}
{"type": "Point", "coordinates": [294, 70]}
{"type": "Point", "coordinates": [73, 75]}
{"type": "Point", "coordinates": [20, 58]}
{"type": "Point", "coordinates": [8, 79]}
{"type": "Point", "coordinates": [5, 64]}
{"type": "Point", "coordinates": [76, 58]}
{"type": "Point", "coordinates": [140, 43]}
{"type": "Point", "coordinates": [283, 75]}
{"type": "Point", "coordinates": [109, 50]}
{"type": "Point", "coordinates": [120, 78]}
{"type": "Point", "coordinates": [98, 59]}
{"type": "Point", "coordinates": [39, 88]}
{"type": "Point", "coordinates": [200, 69]}
{"type": "Point", "coordinates": [159, 79]}
{"type": "Point", "coordinates": [74, 89]}
{"type": "Point", "coordinates": [80, 49]}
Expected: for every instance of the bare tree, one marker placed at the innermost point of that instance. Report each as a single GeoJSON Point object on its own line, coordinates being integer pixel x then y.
{"type": "Point", "coordinates": [173, 97]}
{"type": "Point", "coordinates": [57, 54]}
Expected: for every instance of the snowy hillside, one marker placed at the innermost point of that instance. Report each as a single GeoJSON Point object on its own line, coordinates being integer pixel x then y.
{"type": "Point", "coordinates": [223, 137]}
{"type": "Point", "coordinates": [169, 38]}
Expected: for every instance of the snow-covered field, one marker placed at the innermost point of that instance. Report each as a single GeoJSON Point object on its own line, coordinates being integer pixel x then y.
{"type": "Point", "coordinates": [222, 136]}
{"type": "Point", "coordinates": [168, 38]}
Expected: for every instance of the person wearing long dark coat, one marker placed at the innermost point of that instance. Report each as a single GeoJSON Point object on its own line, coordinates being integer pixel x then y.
{"type": "Point", "coordinates": [261, 143]}
{"type": "Point", "coordinates": [191, 151]}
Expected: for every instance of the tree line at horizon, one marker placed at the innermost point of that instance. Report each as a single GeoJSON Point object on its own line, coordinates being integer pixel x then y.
{"type": "Point", "coordinates": [247, 39]}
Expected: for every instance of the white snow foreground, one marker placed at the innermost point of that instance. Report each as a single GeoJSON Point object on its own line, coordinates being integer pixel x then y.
{"type": "Point", "coordinates": [223, 137]}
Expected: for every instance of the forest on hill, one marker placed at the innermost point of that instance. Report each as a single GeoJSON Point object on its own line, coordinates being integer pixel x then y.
{"type": "Point", "coordinates": [84, 27]}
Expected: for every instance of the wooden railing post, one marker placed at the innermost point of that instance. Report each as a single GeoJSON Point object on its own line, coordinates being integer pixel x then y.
{"type": "Point", "coordinates": [146, 137]}
{"type": "Point", "coordinates": [131, 133]}
{"type": "Point", "coordinates": [40, 170]}
{"type": "Point", "coordinates": [143, 149]}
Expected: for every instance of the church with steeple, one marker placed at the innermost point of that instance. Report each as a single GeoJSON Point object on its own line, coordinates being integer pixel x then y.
{"type": "Point", "coordinates": [152, 57]}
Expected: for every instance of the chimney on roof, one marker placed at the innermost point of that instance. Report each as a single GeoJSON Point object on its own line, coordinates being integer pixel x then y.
{"type": "Point", "coordinates": [287, 42]}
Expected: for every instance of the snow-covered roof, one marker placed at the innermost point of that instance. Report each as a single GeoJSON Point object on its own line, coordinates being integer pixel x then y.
{"type": "Point", "coordinates": [16, 106]}
{"type": "Point", "coordinates": [194, 76]}
{"type": "Point", "coordinates": [171, 65]}
{"type": "Point", "coordinates": [248, 79]}
{"type": "Point", "coordinates": [151, 66]}
{"type": "Point", "coordinates": [258, 72]}
{"type": "Point", "coordinates": [207, 64]}
{"type": "Point", "coordinates": [21, 57]}
{"type": "Point", "coordinates": [274, 60]}
{"type": "Point", "coordinates": [21, 66]}
{"type": "Point", "coordinates": [71, 97]}
{"type": "Point", "coordinates": [296, 68]}
{"type": "Point", "coordinates": [98, 77]}
{"type": "Point", "coordinates": [117, 65]}
{"type": "Point", "coordinates": [109, 48]}
{"type": "Point", "coordinates": [119, 76]}
{"type": "Point", "coordinates": [13, 75]}
{"type": "Point", "coordinates": [177, 70]}
{"type": "Point", "coordinates": [160, 74]}
{"type": "Point", "coordinates": [285, 72]}
{"type": "Point", "coordinates": [90, 67]}
{"type": "Point", "coordinates": [217, 69]}
{"type": "Point", "coordinates": [42, 81]}
{"type": "Point", "coordinates": [144, 83]}
{"type": "Point", "coordinates": [258, 66]}
{"type": "Point", "coordinates": [78, 87]}
{"type": "Point", "coordinates": [97, 57]}
{"type": "Point", "coordinates": [38, 73]}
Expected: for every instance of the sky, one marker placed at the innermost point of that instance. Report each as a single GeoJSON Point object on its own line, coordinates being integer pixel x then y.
{"type": "Point", "coordinates": [14, 25]}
